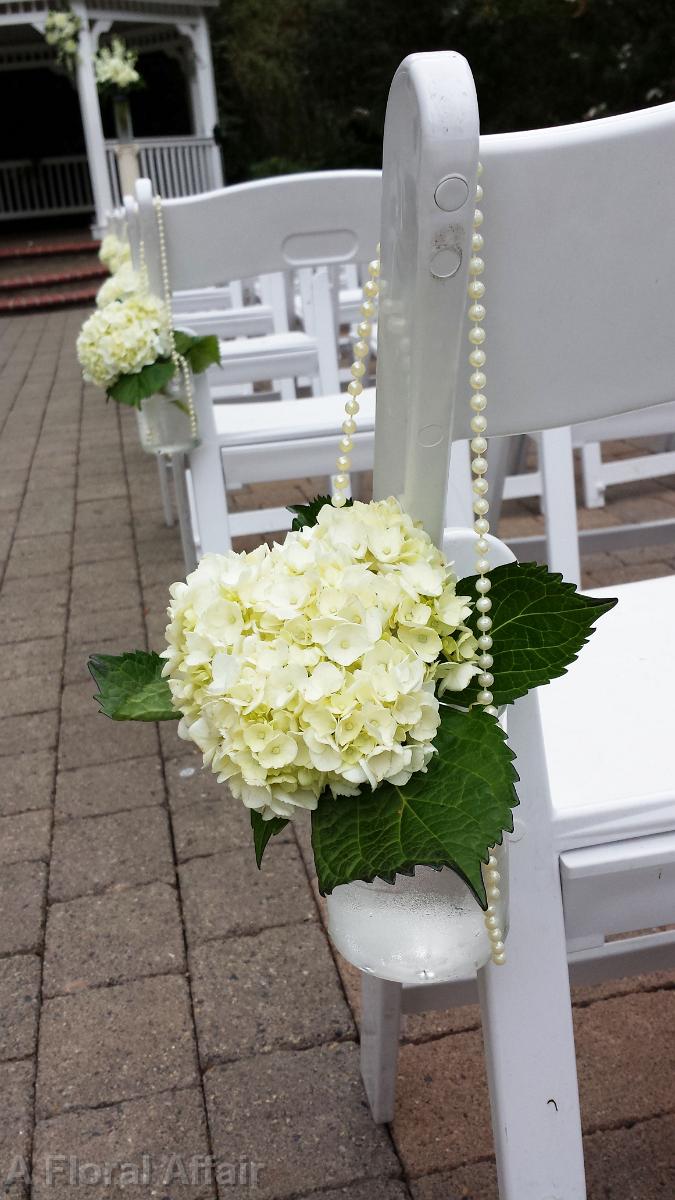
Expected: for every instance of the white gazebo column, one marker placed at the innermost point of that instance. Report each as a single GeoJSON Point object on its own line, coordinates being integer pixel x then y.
{"type": "Point", "coordinates": [203, 89]}
{"type": "Point", "coordinates": [91, 121]}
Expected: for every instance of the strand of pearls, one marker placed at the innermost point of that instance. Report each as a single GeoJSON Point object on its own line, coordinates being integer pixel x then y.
{"type": "Point", "coordinates": [481, 527]}
{"type": "Point", "coordinates": [179, 361]}
{"type": "Point", "coordinates": [361, 350]}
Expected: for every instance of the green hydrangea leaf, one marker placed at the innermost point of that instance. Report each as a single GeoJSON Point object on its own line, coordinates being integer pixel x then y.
{"type": "Point", "coordinates": [539, 625]}
{"type": "Point", "coordinates": [447, 817]}
{"type": "Point", "coordinates": [201, 352]}
{"type": "Point", "coordinates": [131, 688]}
{"type": "Point", "coordinates": [263, 831]}
{"type": "Point", "coordinates": [308, 514]}
{"type": "Point", "coordinates": [132, 389]}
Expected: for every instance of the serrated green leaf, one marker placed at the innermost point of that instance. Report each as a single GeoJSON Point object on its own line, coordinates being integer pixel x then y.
{"type": "Point", "coordinates": [307, 514]}
{"type": "Point", "coordinates": [448, 817]}
{"type": "Point", "coordinates": [539, 625]}
{"type": "Point", "coordinates": [132, 389]}
{"type": "Point", "coordinates": [201, 352]}
{"type": "Point", "coordinates": [131, 688]}
{"type": "Point", "coordinates": [263, 831]}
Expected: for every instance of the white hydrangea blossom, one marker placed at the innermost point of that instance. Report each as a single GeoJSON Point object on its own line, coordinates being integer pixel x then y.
{"type": "Point", "coordinates": [119, 286]}
{"type": "Point", "coordinates": [114, 253]}
{"type": "Point", "coordinates": [62, 31]}
{"type": "Point", "coordinates": [115, 66]}
{"type": "Point", "coordinates": [122, 338]}
{"type": "Point", "coordinates": [312, 664]}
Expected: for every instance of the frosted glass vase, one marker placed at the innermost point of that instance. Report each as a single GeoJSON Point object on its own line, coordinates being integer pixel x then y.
{"type": "Point", "coordinates": [426, 928]}
{"type": "Point", "coordinates": [164, 423]}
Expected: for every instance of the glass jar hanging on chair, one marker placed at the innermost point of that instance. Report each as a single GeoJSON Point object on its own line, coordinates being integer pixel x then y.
{"type": "Point", "coordinates": [164, 422]}
{"type": "Point", "coordinates": [423, 928]}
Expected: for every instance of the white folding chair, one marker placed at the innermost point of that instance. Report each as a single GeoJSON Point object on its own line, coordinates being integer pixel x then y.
{"type": "Point", "coordinates": [572, 336]}
{"type": "Point", "coordinates": [305, 222]}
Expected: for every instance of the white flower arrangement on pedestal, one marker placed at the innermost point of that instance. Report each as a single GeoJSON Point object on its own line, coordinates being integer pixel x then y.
{"type": "Point", "coordinates": [62, 32]}
{"type": "Point", "coordinates": [115, 68]}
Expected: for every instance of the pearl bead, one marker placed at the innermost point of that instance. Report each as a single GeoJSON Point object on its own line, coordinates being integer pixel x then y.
{"type": "Point", "coordinates": [483, 604]}
{"type": "Point", "coordinates": [481, 486]}
{"type": "Point", "coordinates": [339, 501]}
{"type": "Point", "coordinates": [345, 445]}
{"type": "Point", "coordinates": [476, 289]}
{"type": "Point", "coordinates": [358, 369]}
{"type": "Point", "coordinates": [485, 661]}
{"type": "Point", "coordinates": [477, 242]}
{"type": "Point", "coordinates": [478, 402]}
{"type": "Point", "coordinates": [481, 506]}
{"type": "Point", "coordinates": [490, 911]}
{"type": "Point", "coordinates": [495, 934]}
{"type": "Point", "coordinates": [492, 922]}
{"type": "Point", "coordinates": [477, 335]}
{"type": "Point", "coordinates": [482, 565]}
{"type": "Point", "coordinates": [355, 388]}
{"type": "Point", "coordinates": [477, 358]}
{"type": "Point", "coordinates": [361, 349]}
{"type": "Point", "coordinates": [479, 190]}
{"type": "Point", "coordinates": [493, 893]}
{"type": "Point", "coordinates": [498, 949]}
{"type": "Point", "coordinates": [486, 680]}
{"type": "Point", "coordinates": [479, 465]}
{"type": "Point", "coordinates": [484, 697]}
{"type": "Point", "coordinates": [370, 289]}
{"type": "Point", "coordinates": [485, 642]}
{"type": "Point", "coordinates": [352, 407]}
{"type": "Point", "coordinates": [476, 265]}
{"type": "Point", "coordinates": [482, 545]}
{"type": "Point", "coordinates": [477, 219]}
{"type": "Point", "coordinates": [483, 584]}
{"type": "Point", "coordinates": [341, 482]}
{"type": "Point", "coordinates": [349, 427]}
{"type": "Point", "coordinates": [477, 381]}
{"type": "Point", "coordinates": [481, 526]}
{"type": "Point", "coordinates": [491, 710]}
{"type": "Point", "coordinates": [343, 463]}
{"type": "Point", "coordinates": [364, 329]}
{"type": "Point", "coordinates": [368, 310]}
{"type": "Point", "coordinates": [484, 623]}
{"type": "Point", "coordinates": [476, 312]}
{"type": "Point", "coordinates": [499, 959]}
{"type": "Point", "coordinates": [479, 445]}
{"type": "Point", "coordinates": [478, 423]}
{"type": "Point", "coordinates": [374, 268]}
{"type": "Point", "coordinates": [479, 169]}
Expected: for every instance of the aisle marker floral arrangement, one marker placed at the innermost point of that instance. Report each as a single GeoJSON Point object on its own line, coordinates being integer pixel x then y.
{"type": "Point", "coordinates": [337, 672]}
{"type": "Point", "coordinates": [62, 32]}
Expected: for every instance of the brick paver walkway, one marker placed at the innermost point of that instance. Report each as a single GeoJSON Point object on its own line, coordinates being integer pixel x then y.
{"type": "Point", "coordinates": [159, 996]}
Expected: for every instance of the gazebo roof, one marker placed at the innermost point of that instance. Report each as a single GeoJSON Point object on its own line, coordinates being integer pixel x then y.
{"type": "Point", "coordinates": [24, 12]}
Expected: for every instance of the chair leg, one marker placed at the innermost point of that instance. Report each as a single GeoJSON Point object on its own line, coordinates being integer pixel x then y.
{"type": "Point", "coordinates": [560, 505]}
{"type": "Point", "coordinates": [164, 491]}
{"type": "Point", "coordinates": [183, 507]}
{"type": "Point", "coordinates": [380, 1027]}
{"type": "Point", "coordinates": [208, 485]}
{"type": "Point", "coordinates": [526, 1007]}
{"type": "Point", "coordinates": [591, 471]}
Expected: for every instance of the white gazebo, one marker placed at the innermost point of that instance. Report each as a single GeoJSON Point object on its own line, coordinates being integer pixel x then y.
{"type": "Point", "coordinates": [90, 183]}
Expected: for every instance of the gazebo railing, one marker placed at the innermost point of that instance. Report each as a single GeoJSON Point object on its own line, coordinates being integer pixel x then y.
{"type": "Point", "coordinates": [36, 188]}
{"type": "Point", "coordinates": [177, 166]}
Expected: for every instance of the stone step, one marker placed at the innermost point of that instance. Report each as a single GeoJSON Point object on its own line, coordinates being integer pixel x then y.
{"type": "Point", "coordinates": [52, 278]}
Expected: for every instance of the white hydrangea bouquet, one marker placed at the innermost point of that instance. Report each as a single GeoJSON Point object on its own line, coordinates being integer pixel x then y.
{"type": "Point", "coordinates": [128, 346]}
{"type": "Point", "coordinates": [341, 672]}
{"type": "Point", "coordinates": [115, 68]}
{"type": "Point", "coordinates": [62, 32]}
{"type": "Point", "coordinates": [114, 253]}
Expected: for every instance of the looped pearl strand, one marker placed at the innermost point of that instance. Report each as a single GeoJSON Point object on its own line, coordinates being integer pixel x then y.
{"type": "Point", "coordinates": [179, 361]}
{"type": "Point", "coordinates": [361, 350]}
{"type": "Point", "coordinates": [481, 527]}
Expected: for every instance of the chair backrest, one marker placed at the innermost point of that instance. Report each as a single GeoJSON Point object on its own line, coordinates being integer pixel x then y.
{"type": "Point", "coordinates": [273, 225]}
{"type": "Point", "coordinates": [579, 273]}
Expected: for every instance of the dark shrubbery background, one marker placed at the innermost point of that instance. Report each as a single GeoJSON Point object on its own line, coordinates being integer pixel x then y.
{"type": "Point", "coordinates": [303, 83]}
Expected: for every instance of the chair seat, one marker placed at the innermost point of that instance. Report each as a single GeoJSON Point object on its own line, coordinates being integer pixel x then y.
{"type": "Point", "coordinates": [277, 355]}
{"type": "Point", "coordinates": [265, 421]}
{"type": "Point", "coordinates": [607, 721]}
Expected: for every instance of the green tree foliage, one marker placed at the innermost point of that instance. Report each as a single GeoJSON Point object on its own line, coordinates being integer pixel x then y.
{"type": "Point", "coordinates": [303, 83]}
